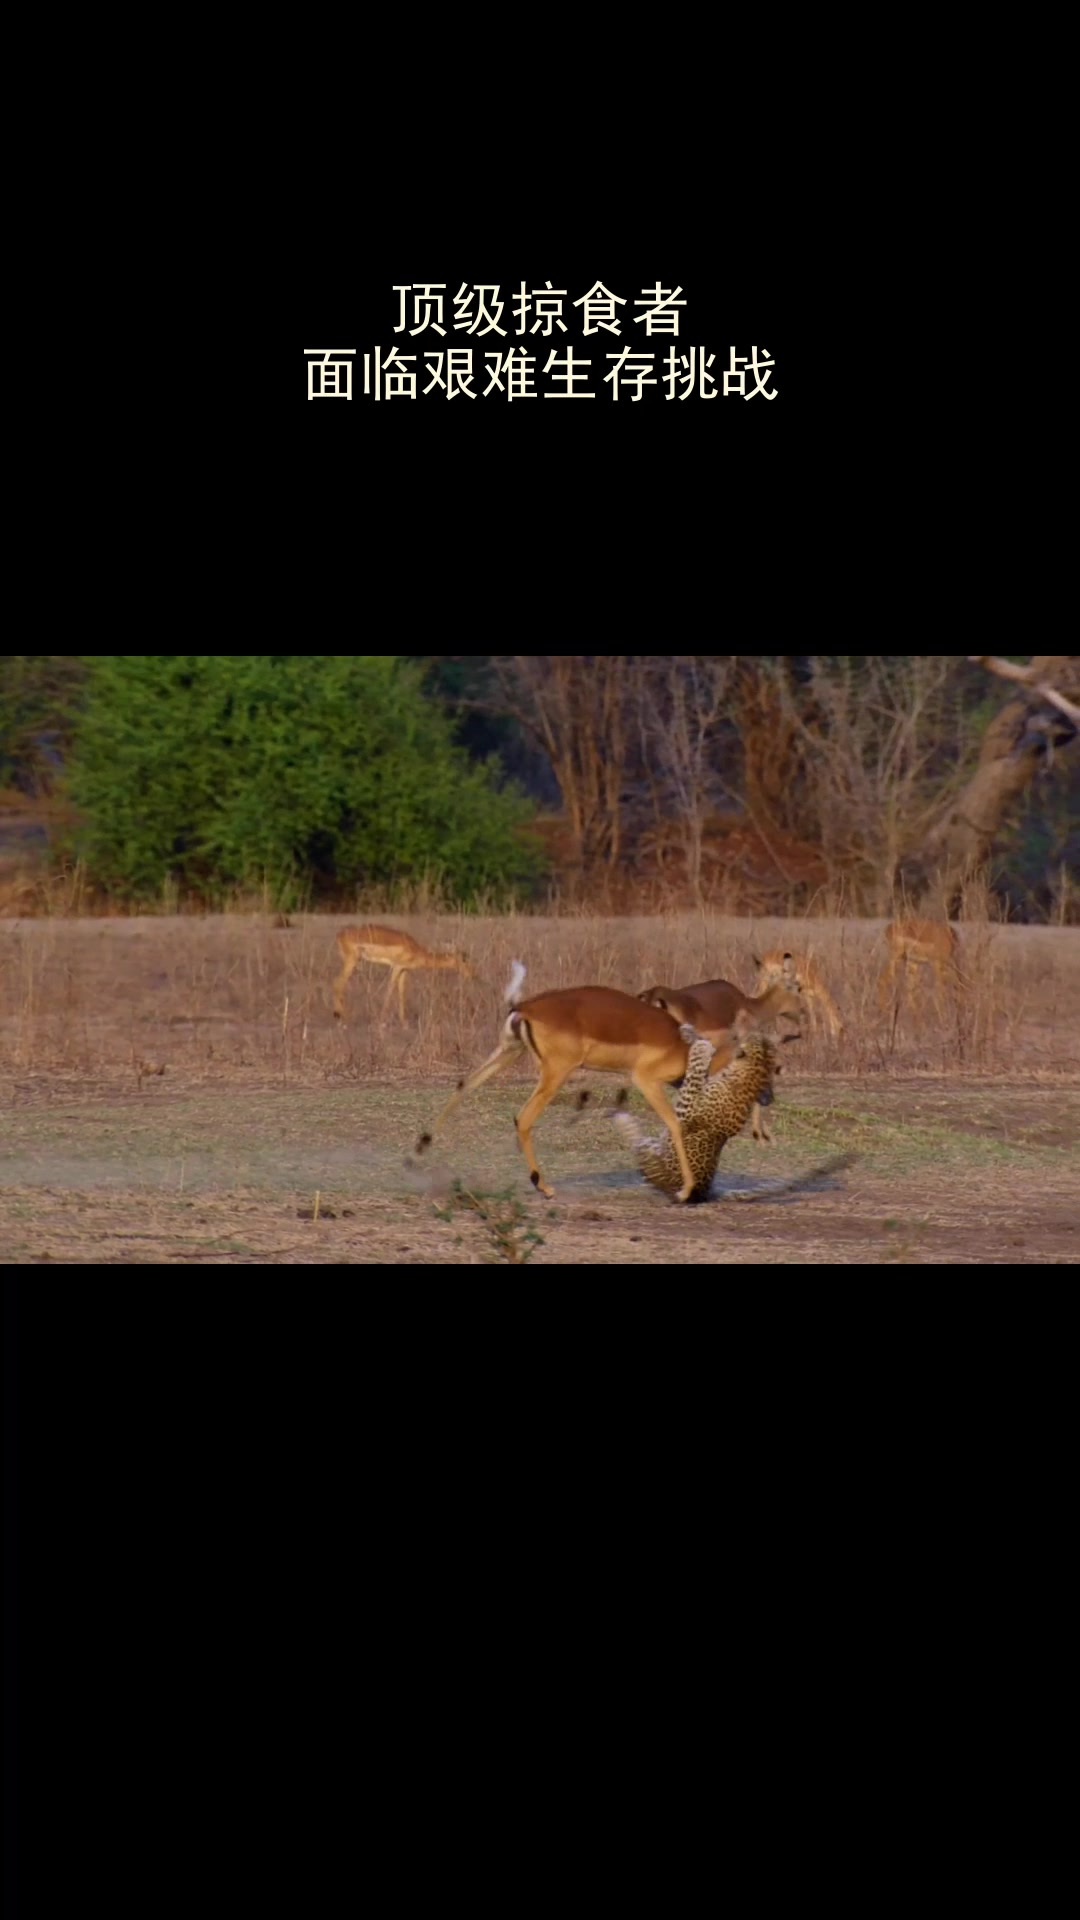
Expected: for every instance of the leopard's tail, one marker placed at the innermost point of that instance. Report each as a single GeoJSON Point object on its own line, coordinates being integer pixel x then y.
{"type": "Point", "coordinates": [631, 1129]}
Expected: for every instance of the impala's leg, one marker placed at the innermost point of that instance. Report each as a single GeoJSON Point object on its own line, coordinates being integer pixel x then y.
{"type": "Point", "coordinates": [506, 1050]}
{"type": "Point", "coordinates": [389, 994]}
{"type": "Point", "coordinates": [654, 1094]}
{"type": "Point", "coordinates": [350, 956]}
{"type": "Point", "coordinates": [552, 1076]}
{"type": "Point", "coordinates": [757, 1125]}
{"type": "Point", "coordinates": [402, 976]}
{"type": "Point", "coordinates": [885, 983]}
{"type": "Point", "coordinates": [913, 980]}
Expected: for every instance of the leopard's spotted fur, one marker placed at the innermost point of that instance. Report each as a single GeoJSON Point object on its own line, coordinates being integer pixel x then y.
{"type": "Point", "coordinates": [710, 1111]}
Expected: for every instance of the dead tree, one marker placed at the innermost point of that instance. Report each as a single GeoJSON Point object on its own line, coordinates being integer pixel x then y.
{"type": "Point", "coordinates": [574, 707]}
{"type": "Point", "coordinates": [687, 698]}
{"type": "Point", "coordinates": [1019, 743]}
{"type": "Point", "coordinates": [1008, 670]}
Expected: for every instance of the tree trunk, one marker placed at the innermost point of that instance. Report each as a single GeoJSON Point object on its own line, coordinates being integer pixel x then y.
{"type": "Point", "coordinates": [1017, 744]}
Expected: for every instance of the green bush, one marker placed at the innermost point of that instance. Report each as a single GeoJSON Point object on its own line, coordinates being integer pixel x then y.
{"type": "Point", "coordinates": [320, 770]}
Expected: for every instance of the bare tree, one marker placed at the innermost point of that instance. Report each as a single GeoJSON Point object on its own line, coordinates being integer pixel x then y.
{"type": "Point", "coordinates": [875, 760]}
{"type": "Point", "coordinates": [869, 744]}
{"type": "Point", "coordinates": [574, 706]}
{"type": "Point", "coordinates": [1019, 742]}
{"type": "Point", "coordinates": [764, 708]}
{"type": "Point", "coordinates": [685, 702]}
{"type": "Point", "coordinates": [1008, 670]}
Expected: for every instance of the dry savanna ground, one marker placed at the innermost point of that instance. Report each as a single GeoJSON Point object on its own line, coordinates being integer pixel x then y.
{"type": "Point", "coordinates": [176, 1090]}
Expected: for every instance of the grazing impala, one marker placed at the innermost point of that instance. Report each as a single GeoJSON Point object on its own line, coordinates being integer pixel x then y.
{"type": "Point", "coordinates": [915, 943]}
{"type": "Point", "coordinates": [798, 972]}
{"type": "Point", "coordinates": [388, 947]}
{"type": "Point", "coordinates": [586, 1027]}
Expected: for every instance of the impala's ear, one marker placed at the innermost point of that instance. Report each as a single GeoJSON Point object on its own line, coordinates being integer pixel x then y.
{"type": "Point", "coordinates": [789, 971]}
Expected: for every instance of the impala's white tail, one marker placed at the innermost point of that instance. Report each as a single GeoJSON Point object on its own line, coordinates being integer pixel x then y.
{"type": "Point", "coordinates": [517, 975]}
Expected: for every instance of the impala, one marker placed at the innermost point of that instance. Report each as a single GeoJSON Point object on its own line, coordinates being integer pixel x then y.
{"type": "Point", "coordinates": [914, 943]}
{"type": "Point", "coordinates": [388, 947]}
{"type": "Point", "coordinates": [586, 1027]}
{"type": "Point", "coordinates": [799, 973]}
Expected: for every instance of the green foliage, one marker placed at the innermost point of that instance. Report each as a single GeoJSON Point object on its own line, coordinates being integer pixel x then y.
{"type": "Point", "coordinates": [511, 1237]}
{"type": "Point", "coordinates": [220, 770]}
{"type": "Point", "coordinates": [40, 694]}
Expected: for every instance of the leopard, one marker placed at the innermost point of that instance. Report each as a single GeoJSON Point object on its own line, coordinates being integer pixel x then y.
{"type": "Point", "coordinates": [710, 1111]}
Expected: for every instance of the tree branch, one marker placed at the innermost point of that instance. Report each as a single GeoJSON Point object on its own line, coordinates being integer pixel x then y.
{"type": "Point", "coordinates": [1023, 676]}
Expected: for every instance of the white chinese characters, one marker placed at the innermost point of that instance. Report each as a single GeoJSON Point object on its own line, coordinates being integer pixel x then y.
{"type": "Point", "coordinates": [329, 372]}
{"type": "Point", "coordinates": [516, 373]}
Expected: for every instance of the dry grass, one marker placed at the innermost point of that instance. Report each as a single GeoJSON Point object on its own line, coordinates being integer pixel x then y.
{"type": "Point", "coordinates": [124, 1045]}
{"type": "Point", "coordinates": [231, 994]}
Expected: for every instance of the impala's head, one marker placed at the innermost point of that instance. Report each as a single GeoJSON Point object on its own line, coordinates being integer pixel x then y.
{"type": "Point", "coordinates": [781, 964]}
{"type": "Point", "coordinates": [747, 1027]}
{"type": "Point", "coordinates": [657, 997]}
{"type": "Point", "coordinates": [778, 969]}
{"type": "Point", "coordinates": [453, 957]}
{"type": "Point", "coordinates": [800, 975]}
{"type": "Point", "coordinates": [780, 1002]}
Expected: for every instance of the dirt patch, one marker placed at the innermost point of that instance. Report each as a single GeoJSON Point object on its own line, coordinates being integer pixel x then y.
{"type": "Point", "coordinates": [197, 1179]}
